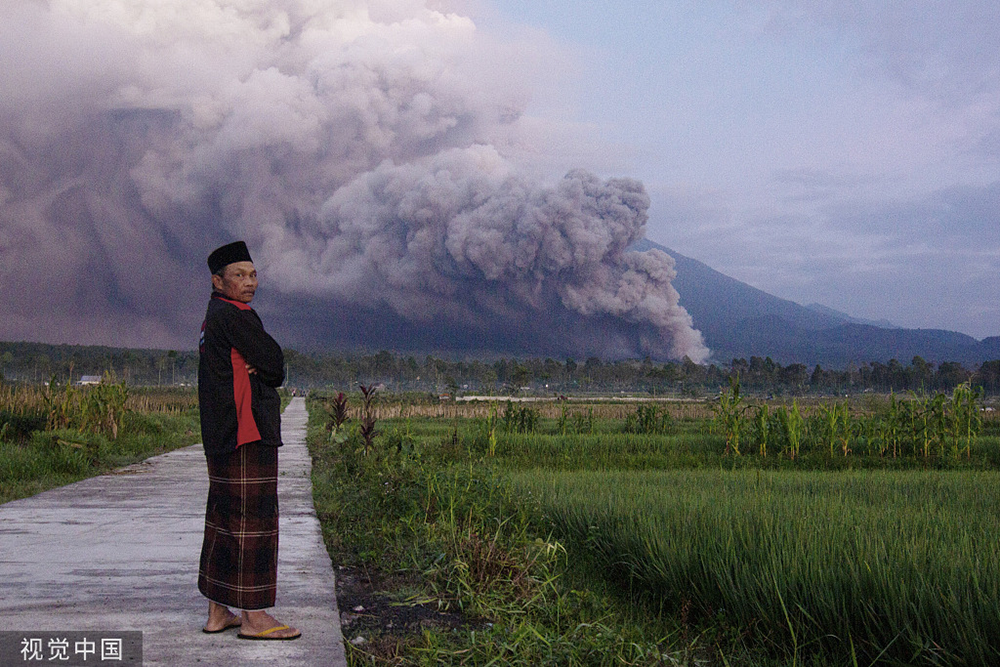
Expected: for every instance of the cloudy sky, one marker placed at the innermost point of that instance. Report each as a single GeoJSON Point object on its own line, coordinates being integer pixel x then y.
{"type": "Point", "coordinates": [840, 152]}
{"type": "Point", "coordinates": [469, 173]}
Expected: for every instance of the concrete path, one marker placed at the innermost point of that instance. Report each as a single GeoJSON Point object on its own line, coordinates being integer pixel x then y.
{"type": "Point", "coordinates": [120, 552]}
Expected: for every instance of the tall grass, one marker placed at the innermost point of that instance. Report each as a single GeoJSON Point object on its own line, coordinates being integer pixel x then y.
{"type": "Point", "coordinates": [885, 566]}
{"type": "Point", "coordinates": [50, 436]}
{"type": "Point", "coordinates": [603, 450]}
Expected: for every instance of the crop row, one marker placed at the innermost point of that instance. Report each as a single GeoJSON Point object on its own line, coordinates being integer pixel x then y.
{"type": "Point", "coordinates": [920, 425]}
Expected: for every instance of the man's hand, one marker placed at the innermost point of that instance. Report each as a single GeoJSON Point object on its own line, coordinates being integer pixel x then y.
{"type": "Point", "coordinates": [250, 369]}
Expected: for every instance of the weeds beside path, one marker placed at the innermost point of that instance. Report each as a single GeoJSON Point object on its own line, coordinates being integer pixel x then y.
{"type": "Point", "coordinates": [439, 563]}
{"type": "Point", "coordinates": [50, 437]}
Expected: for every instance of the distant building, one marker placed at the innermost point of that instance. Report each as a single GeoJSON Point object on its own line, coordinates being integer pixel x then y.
{"type": "Point", "coordinates": [89, 379]}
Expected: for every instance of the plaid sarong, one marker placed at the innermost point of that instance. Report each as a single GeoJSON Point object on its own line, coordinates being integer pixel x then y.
{"type": "Point", "coordinates": [239, 557]}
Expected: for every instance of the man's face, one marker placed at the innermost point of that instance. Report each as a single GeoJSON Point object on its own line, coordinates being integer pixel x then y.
{"type": "Point", "coordinates": [238, 282]}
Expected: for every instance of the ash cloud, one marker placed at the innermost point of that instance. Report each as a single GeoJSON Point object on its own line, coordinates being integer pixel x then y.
{"type": "Point", "coordinates": [362, 149]}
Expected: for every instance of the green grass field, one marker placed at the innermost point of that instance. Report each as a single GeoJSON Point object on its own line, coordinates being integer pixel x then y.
{"type": "Point", "coordinates": [875, 564]}
{"type": "Point", "coordinates": [828, 555]}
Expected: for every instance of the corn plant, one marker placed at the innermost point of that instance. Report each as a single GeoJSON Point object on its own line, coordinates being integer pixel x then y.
{"type": "Point", "coordinates": [169, 400]}
{"type": "Point", "coordinates": [59, 405]}
{"type": "Point", "coordinates": [563, 422]}
{"type": "Point", "coordinates": [762, 427]}
{"type": "Point", "coordinates": [890, 427]}
{"type": "Point", "coordinates": [584, 422]}
{"type": "Point", "coordinates": [865, 434]}
{"type": "Point", "coordinates": [836, 426]}
{"type": "Point", "coordinates": [520, 418]}
{"type": "Point", "coordinates": [792, 426]}
{"type": "Point", "coordinates": [917, 422]}
{"type": "Point", "coordinates": [102, 407]}
{"type": "Point", "coordinates": [730, 414]}
{"type": "Point", "coordinates": [22, 400]}
{"type": "Point", "coordinates": [648, 419]}
{"type": "Point", "coordinates": [966, 418]}
{"type": "Point", "coordinates": [97, 410]}
{"type": "Point", "coordinates": [938, 419]}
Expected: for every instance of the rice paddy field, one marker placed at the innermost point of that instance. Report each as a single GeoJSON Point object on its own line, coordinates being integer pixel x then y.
{"type": "Point", "coordinates": [868, 537]}
{"type": "Point", "coordinates": [872, 564]}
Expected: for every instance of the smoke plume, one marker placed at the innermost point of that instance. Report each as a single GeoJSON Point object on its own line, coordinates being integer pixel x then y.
{"type": "Point", "coordinates": [371, 154]}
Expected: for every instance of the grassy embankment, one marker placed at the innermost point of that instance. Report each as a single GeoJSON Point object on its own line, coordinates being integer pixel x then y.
{"type": "Point", "coordinates": [617, 534]}
{"type": "Point", "coordinates": [54, 436]}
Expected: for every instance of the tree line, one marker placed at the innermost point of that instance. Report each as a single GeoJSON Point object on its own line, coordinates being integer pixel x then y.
{"type": "Point", "coordinates": [35, 363]}
{"type": "Point", "coordinates": [538, 375]}
{"type": "Point", "coordinates": [38, 362]}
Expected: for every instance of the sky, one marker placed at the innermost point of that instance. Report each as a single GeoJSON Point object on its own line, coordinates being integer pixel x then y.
{"type": "Point", "coordinates": [845, 153]}
{"type": "Point", "coordinates": [469, 174]}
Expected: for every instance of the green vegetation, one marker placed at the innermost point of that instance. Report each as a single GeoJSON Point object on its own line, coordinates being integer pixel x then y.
{"type": "Point", "coordinates": [51, 436]}
{"type": "Point", "coordinates": [35, 362]}
{"type": "Point", "coordinates": [616, 532]}
{"type": "Point", "coordinates": [921, 425]}
{"type": "Point", "coordinates": [878, 564]}
{"type": "Point", "coordinates": [419, 505]}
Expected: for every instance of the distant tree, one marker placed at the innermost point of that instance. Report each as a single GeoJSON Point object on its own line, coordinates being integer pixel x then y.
{"type": "Point", "coordinates": [693, 373]}
{"type": "Point", "coordinates": [921, 373]}
{"type": "Point", "coordinates": [875, 375]}
{"type": "Point", "coordinates": [950, 374]}
{"type": "Point", "coordinates": [42, 366]}
{"type": "Point", "coordinates": [988, 376]}
{"type": "Point", "coordinates": [715, 376]}
{"type": "Point", "coordinates": [898, 377]}
{"type": "Point", "coordinates": [739, 367]}
{"type": "Point", "coordinates": [520, 375]}
{"type": "Point", "coordinates": [488, 378]}
{"type": "Point", "coordinates": [592, 369]}
{"type": "Point", "coordinates": [502, 369]}
{"type": "Point", "coordinates": [172, 355]}
{"type": "Point", "coordinates": [760, 372]}
{"type": "Point", "coordinates": [795, 375]}
{"type": "Point", "coordinates": [553, 371]}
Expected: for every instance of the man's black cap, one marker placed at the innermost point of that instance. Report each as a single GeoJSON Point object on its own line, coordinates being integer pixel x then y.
{"type": "Point", "coordinates": [228, 254]}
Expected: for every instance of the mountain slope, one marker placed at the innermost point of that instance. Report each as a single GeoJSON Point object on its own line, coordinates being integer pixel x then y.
{"type": "Point", "coordinates": [820, 308]}
{"type": "Point", "coordinates": [740, 321]}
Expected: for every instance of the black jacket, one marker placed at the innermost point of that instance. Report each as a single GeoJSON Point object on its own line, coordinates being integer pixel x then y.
{"type": "Point", "coordinates": [238, 407]}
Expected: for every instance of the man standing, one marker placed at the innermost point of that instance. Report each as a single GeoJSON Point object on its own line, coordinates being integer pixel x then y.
{"type": "Point", "coordinates": [239, 372]}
